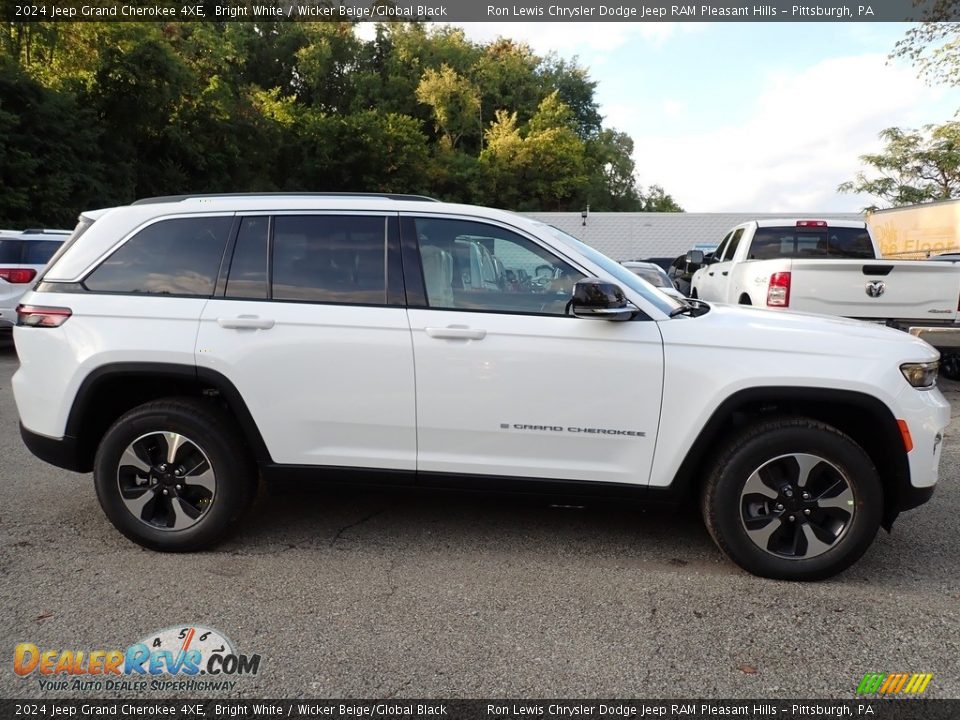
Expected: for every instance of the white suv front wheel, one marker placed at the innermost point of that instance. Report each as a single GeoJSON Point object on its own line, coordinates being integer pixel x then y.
{"type": "Point", "coordinates": [172, 474]}
{"type": "Point", "coordinates": [793, 499]}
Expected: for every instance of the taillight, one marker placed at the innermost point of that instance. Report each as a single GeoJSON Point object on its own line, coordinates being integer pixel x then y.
{"type": "Point", "coordinates": [17, 276]}
{"type": "Point", "coordinates": [811, 223]}
{"type": "Point", "coordinates": [778, 292]}
{"type": "Point", "coordinates": [37, 316]}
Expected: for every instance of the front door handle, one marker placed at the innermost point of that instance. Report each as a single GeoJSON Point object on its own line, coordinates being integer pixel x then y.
{"type": "Point", "coordinates": [455, 332]}
{"type": "Point", "coordinates": [725, 273]}
{"type": "Point", "coordinates": [246, 322]}
{"type": "Point", "coordinates": [710, 273]}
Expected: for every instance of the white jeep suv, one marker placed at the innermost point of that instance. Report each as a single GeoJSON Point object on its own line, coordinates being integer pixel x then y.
{"type": "Point", "coordinates": [182, 348]}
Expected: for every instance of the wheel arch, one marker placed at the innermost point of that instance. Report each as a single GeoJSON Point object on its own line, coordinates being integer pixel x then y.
{"type": "Point", "coordinates": [111, 390]}
{"type": "Point", "coordinates": [866, 419]}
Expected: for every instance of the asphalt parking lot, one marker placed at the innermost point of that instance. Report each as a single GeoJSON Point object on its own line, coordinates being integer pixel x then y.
{"type": "Point", "coordinates": [368, 594]}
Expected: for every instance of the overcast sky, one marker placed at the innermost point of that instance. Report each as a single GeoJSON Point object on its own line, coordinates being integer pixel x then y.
{"type": "Point", "coordinates": [746, 116]}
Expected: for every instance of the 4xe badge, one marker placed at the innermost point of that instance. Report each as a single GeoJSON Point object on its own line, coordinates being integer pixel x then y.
{"type": "Point", "coordinates": [172, 659]}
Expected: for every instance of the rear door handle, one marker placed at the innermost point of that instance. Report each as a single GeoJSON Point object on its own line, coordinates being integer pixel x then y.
{"type": "Point", "coordinates": [725, 272]}
{"type": "Point", "coordinates": [456, 333]}
{"type": "Point", "coordinates": [710, 273]}
{"type": "Point", "coordinates": [246, 322]}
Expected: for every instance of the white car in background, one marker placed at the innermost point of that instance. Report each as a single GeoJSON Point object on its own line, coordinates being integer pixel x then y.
{"type": "Point", "coordinates": [655, 275]}
{"type": "Point", "coordinates": [23, 254]}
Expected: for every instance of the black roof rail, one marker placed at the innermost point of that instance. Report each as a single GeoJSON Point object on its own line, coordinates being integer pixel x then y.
{"type": "Point", "coordinates": [43, 231]}
{"type": "Point", "coordinates": [179, 198]}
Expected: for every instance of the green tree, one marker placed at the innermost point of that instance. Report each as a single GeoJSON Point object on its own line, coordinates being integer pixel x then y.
{"type": "Point", "coordinates": [545, 170]}
{"type": "Point", "coordinates": [49, 164]}
{"type": "Point", "coordinates": [915, 166]}
{"type": "Point", "coordinates": [613, 184]}
{"type": "Point", "coordinates": [934, 46]}
{"type": "Point", "coordinates": [454, 101]}
{"type": "Point", "coordinates": [655, 199]}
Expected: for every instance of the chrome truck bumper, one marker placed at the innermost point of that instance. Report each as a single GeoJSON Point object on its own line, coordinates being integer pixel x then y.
{"type": "Point", "coordinates": [942, 337]}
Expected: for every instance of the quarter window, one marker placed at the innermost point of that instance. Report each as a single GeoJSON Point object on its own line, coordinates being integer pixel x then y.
{"type": "Point", "coordinates": [248, 268]}
{"type": "Point", "coordinates": [171, 257]}
{"type": "Point", "coordinates": [474, 266]}
{"type": "Point", "coordinates": [330, 259]}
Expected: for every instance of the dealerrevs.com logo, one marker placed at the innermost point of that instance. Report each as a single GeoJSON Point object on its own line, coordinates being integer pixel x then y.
{"type": "Point", "coordinates": [178, 658]}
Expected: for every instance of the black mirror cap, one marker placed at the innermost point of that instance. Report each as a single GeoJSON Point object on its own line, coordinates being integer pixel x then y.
{"type": "Point", "coordinates": [695, 257]}
{"type": "Point", "coordinates": [596, 298]}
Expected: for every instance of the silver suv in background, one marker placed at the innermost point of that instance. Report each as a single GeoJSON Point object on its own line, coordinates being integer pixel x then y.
{"type": "Point", "coordinates": [23, 254]}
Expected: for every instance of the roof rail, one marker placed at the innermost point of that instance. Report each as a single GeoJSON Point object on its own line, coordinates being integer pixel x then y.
{"type": "Point", "coordinates": [44, 231]}
{"type": "Point", "coordinates": [179, 198]}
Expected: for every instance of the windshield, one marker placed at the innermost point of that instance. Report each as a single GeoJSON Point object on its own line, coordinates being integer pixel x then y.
{"type": "Point", "coordinates": [657, 278]}
{"type": "Point", "coordinates": [664, 303]}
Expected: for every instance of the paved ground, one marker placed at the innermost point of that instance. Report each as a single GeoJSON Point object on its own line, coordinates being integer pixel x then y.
{"type": "Point", "coordinates": [375, 595]}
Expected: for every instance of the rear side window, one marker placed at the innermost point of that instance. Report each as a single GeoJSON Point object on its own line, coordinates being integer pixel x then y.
{"type": "Point", "coordinates": [830, 242]}
{"type": "Point", "coordinates": [10, 251]}
{"type": "Point", "coordinates": [171, 257]}
{"type": "Point", "coordinates": [248, 269]}
{"type": "Point", "coordinates": [330, 259]}
{"type": "Point", "coordinates": [39, 252]}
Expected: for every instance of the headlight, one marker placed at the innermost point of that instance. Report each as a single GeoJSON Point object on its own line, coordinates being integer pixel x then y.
{"type": "Point", "coordinates": [920, 375]}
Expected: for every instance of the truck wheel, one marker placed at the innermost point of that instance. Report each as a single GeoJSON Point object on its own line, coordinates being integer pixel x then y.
{"type": "Point", "coordinates": [792, 499]}
{"type": "Point", "coordinates": [950, 365]}
{"type": "Point", "coordinates": [693, 293]}
{"type": "Point", "coordinates": [745, 300]}
{"type": "Point", "coordinates": [173, 475]}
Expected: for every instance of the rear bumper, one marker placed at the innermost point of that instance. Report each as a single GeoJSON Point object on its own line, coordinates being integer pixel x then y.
{"type": "Point", "coordinates": [944, 336]}
{"type": "Point", "coordinates": [61, 452]}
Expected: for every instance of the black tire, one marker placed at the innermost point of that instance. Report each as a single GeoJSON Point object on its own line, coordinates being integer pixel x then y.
{"type": "Point", "coordinates": [950, 365]}
{"type": "Point", "coordinates": [745, 300]}
{"type": "Point", "coordinates": [693, 294]}
{"type": "Point", "coordinates": [208, 505]}
{"type": "Point", "coordinates": [791, 551]}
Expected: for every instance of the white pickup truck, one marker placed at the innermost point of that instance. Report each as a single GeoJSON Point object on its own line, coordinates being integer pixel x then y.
{"type": "Point", "coordinates": [830, 268]}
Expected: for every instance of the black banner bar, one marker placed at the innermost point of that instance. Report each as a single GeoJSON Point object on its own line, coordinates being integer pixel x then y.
{"type": "Point", "coordinates": [900, 709]}
{"type": "Point", "coordinates": [480, 11]}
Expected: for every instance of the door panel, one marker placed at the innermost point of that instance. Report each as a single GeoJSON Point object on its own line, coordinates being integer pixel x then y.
{"type": "Point", "coordinates": [326, 384]}
{"type": "Point", "coordinates": [315, 342]}
{"type": "Point", "coordinates": [507, 383]}
{"type": "Point", "coordinates": [528, 397]}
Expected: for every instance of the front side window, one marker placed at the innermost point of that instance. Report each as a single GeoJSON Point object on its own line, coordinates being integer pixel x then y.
{"type": "Point", "coordinates": [718, 253]}
{"type": "Point", "coordinates": [180, 256]}
{"type": "Point", "coordinates": [732, 247]}
{"type": "Point", "coordinates": [469, 265]}
{"type": "Point", "coordinates": [330, 259]}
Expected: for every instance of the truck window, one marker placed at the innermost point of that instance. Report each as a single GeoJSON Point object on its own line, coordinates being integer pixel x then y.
{"type": "Point", "coordinates": [831, 242]}
{"type": "Point", "coordinates": [732, 247]}
{"type": "Point", "coordinates": [718, 253]}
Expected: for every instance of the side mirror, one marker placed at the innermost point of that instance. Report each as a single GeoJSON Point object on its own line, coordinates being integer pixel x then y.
{"type": "Point", "coordinates": [595, 298]}
{"type": "Point", "coordinates": [695, 257]}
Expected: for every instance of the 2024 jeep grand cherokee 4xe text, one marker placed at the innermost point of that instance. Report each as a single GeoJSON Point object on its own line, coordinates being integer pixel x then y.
{"type": "Point", "coordinates": [182, 348]}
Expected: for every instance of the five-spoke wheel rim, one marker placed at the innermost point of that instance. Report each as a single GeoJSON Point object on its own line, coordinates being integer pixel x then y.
{"type": "Point", "coordinates": [166, 480]}
{"type": "Point", "coordinates": [797, 506]}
